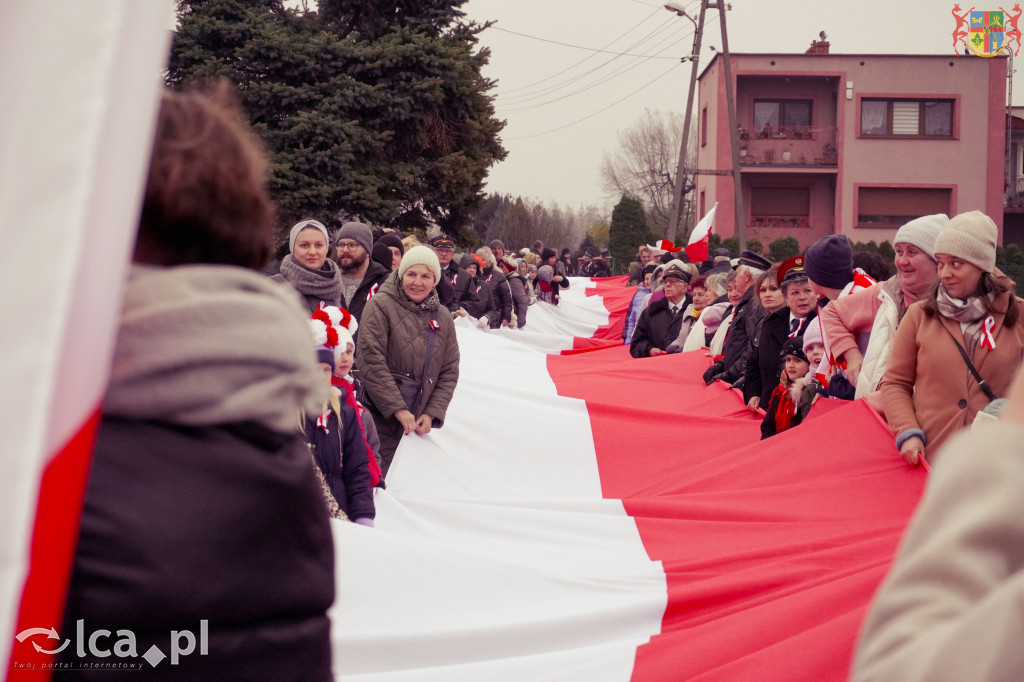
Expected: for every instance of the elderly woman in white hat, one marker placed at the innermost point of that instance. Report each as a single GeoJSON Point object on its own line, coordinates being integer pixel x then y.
{"type": "Point", "coordinates": [408, 353]}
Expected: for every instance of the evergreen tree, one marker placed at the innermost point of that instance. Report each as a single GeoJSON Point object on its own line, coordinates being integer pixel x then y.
{"type": "Point", "coordinates": [628, 230]}
{"type": "Point", "coordinates": [517, 226]}
{"type": "Point", "coordinates": [370, 110]}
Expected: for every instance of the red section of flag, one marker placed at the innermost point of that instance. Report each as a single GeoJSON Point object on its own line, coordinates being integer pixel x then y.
{"type": "Point", "coordinates": [698, 251]}
{"type": "Point", "coordinates": [772, 549]}
{"type": "Point", "coordinates": [616, 297]}
{"type": "Point", "coordinates": [54, 538]}
{"type": "Point", "coordinates": [665, 245]}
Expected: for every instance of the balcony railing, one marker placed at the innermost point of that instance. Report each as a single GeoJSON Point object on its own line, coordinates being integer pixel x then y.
{"type": "Point", "coordinates": [788, 222]}
{"type": "Point", "coordinates": [788, 146]}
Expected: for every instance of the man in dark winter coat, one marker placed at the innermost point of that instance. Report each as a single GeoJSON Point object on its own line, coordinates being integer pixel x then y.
{"type": "Point", "coordinates": [720, 261]}
{"type": "Point", "coordinates": [462, 292]}
{"type": "Point", "coordinates": [599, 267]}
{"type": "Point", "coordinates": [499, 286]}
{"type": "Point", "coordinates": [790, 321]}
{"type": "Point", "coordinates": [484, 304]}
{"type": "Point", "coordinates": [360, 275]}
{"type": "Point", "coordinates": [748, 315]}
{"type": "Point", "coordinates": [659, 323]}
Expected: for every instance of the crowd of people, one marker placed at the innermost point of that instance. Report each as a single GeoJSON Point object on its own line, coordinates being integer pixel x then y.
{"type": "Point", "coordinates": [216, 400]}
{"type": "Point", "coordinates": [818, 326]}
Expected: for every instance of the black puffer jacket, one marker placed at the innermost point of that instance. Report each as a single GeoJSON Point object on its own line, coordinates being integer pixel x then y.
{"type": "Point", "coordinates": [500, 290]}
{"type": "Point", "coordinates": [224, 524]}
{"type": "Point", "coordinates": [340, 452]}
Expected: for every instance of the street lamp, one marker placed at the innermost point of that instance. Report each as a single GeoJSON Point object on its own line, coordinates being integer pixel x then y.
{"type": "Point", "coordinates": [680, 187]}
{"type": "Point", "coordinates": [678, 8]}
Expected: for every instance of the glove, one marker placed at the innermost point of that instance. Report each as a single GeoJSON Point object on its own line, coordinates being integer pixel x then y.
{"type": "Point", "coordinates": [712, 373]}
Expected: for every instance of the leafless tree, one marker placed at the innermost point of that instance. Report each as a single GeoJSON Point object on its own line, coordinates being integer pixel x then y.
{"type": "Point", "coordinates": [644, 165]}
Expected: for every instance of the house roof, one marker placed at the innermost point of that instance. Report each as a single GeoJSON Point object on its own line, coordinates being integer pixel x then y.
{"type": "Point", "coordinates": [853, 55]}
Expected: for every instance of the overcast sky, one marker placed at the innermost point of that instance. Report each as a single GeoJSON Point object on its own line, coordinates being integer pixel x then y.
{"type": "Point", "coordinates": [565, 105]}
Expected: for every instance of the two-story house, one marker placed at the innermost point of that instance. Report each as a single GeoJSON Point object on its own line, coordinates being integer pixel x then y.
{"type": "Point", "coordinates": [852, 144]}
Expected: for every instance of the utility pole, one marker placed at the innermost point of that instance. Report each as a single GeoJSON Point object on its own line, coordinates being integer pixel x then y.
{"type": "Point", "coordinates": [680, 186]}
{"type": "Point", "coordinates": [730, 96]}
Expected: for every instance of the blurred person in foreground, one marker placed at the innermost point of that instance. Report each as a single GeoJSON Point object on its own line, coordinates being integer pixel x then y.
{"type": "Point", "coordinates": [201, 502]}
{"type": "Point", "coordinates": [950, 608]}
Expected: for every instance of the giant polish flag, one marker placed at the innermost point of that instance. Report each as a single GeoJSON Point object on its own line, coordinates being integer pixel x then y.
{"type": "Point", "coordinates": [80, 85]}
{"type": "Point", "coordinates": [590, 516]}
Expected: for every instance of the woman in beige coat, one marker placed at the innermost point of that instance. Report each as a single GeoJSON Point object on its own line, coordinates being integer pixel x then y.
{"type": "Point", "coordinates": [399, 324]}
{"type": "Point", "coordinates": [927, 390]}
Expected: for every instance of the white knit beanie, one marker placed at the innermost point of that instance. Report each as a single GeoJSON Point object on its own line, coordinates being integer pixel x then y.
{"type": "Point", "coordinates": [971, 236]}
{"type": "Point", "coordinates": [420, 255]}
{"type": "Point", "coordinates": [302, 225]}
{"type": "Point", "coordinates": [921, 232]}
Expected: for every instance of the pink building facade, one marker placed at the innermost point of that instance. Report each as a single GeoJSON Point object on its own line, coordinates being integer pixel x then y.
{"type": "Point", "coordinates": [852, 144]}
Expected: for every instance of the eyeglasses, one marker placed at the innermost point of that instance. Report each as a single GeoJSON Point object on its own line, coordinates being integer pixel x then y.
{"type": "Point", "coordinates": [348, 246]}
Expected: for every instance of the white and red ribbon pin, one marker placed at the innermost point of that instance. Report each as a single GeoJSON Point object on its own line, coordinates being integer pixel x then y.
{"type": "Point", "coordinates": [988, 339]}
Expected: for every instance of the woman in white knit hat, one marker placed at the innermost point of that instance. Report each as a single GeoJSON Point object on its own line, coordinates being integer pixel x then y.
{"type": "Point", "coordinates": [861, 327]}
{"type": "Point", "coordinates": [408, 353]}
{"type": "Point", "coordinates": [928, 389]}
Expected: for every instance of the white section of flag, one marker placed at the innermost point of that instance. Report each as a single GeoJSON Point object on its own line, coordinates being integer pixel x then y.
{"type": "Point", "coordinates": [495, 556]}
{"type": "Point", "coordinates": [703, 228]}
{"type": "Point", "coordinates": [80, 87]}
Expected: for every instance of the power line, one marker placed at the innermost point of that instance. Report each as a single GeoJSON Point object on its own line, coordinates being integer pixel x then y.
{"type": "Point", "coordinates": [578, 47]}
{"type": "Point", "coordinates": [622, 70]}
{"type": "Point", "coordinates": [589, 56]}
{"type": "Point", "coordinates": [589, 116]}
{"type": "Point", "coordinates": [574, 80]}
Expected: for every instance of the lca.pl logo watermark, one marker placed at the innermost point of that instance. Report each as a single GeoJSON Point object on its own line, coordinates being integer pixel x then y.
{"type": "Point", "coordinates": [104, 644]}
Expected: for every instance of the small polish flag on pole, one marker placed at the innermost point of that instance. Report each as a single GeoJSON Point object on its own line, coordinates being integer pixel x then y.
{"type": "Point", "coordinates": [697, 247]}
{"type": "Point", "coordinates": [665, 245]}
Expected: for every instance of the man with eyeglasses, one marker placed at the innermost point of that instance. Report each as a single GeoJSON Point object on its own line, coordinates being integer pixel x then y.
{"type": "Point", "coordinates": [659, 323]}
{"type": "Point", "coordinates": [360, 275]}
{"type": "Point", "coordinates": [455, 286]}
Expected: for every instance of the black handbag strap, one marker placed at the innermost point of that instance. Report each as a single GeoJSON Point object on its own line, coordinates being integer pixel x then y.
{"type": "Point", "coordinates": [970, 365]}
{"type": "Point", "coordinates": [430, 352]}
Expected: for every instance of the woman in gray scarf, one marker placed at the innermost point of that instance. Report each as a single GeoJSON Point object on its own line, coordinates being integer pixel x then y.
{"type": "Point", "coordinates": [307, 267]}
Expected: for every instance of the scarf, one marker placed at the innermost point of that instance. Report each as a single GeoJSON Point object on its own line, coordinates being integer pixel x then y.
{"type": "Point", "coordinates": [969, 312]}
{"type": "Point", "coordinates": [206, 345]}
{"type": "Point", "coordinates": [324, 283]}
{"type": "Point", "coordinates": [785, 409]}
